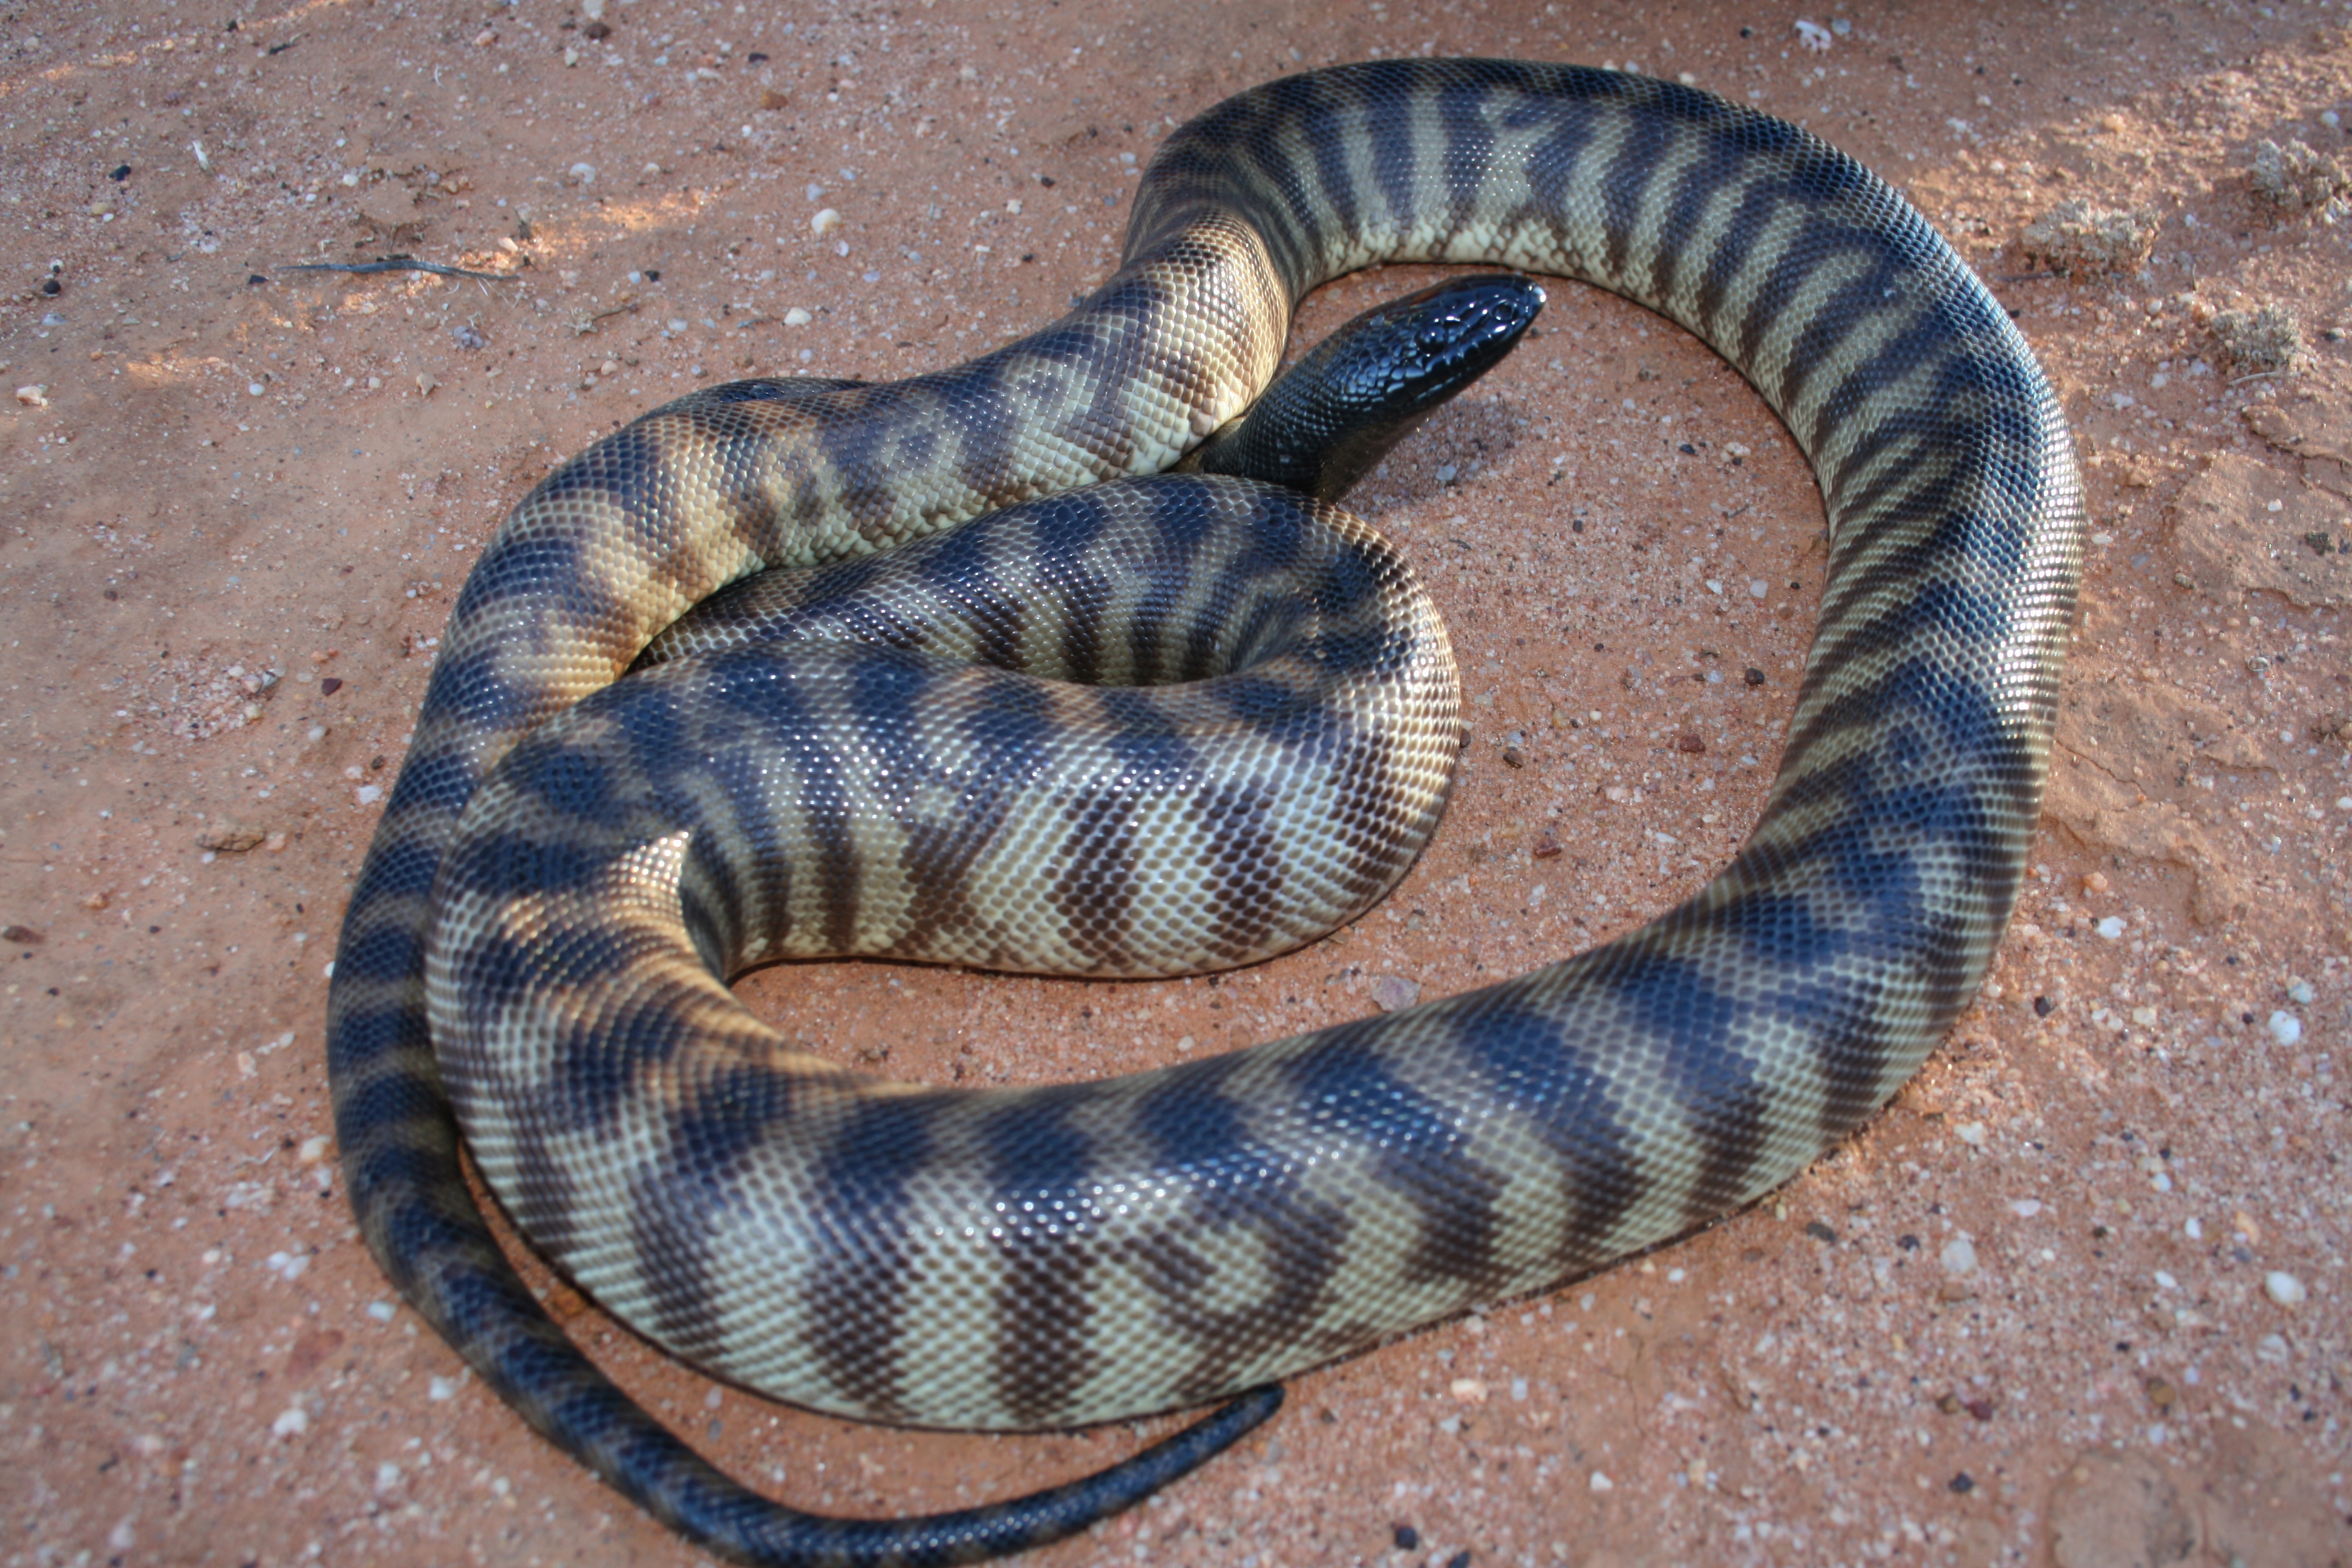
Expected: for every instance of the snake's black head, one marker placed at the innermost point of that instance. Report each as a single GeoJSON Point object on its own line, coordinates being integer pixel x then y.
{"type": "Point", "coordinates": [1326, 421]}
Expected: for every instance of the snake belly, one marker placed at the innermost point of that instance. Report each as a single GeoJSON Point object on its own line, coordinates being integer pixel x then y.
{"type": "Point", "coordinates": [1065, 1254]}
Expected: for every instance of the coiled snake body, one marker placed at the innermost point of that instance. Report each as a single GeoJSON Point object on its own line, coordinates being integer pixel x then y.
{"type": "Point", "coordinates": [1073, 1254]}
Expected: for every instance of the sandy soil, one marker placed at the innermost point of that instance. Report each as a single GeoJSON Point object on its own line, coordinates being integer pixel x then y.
{"type": "Point", "coordinates": [2080, 1297]}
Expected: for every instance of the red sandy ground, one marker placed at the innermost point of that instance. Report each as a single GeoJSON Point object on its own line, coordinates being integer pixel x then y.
{"type": "Point", "coordinates": [235, 502]}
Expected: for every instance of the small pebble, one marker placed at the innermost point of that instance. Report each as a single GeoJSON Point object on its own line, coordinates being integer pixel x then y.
{"type": "Point", "coordinates": [825, 222]}
{"type": "Point", "coordinates": [2302, 993]}
{"type": "Point", "coordinates": [1960, 1257]}
{"type": "Point", "coordinates": [2286, 1028]}
{"type": "Point", "coordinates": [2283, 1287]}
{"type": "Point", "coordinates": [2111, 928]}
{"type": "Point", "coordinates": [1406, 1537]}
{"type": "Point", "coordinates": [382, 1311]}
{"type": "Point", "coordinates": [796, 317]}
{"type": "Point", "coordinates": [291, 1423]}
{"type": "Point", "coordinates": [1390, 993]}
{"type": "Point", "coordinates": [2025, 1208]}
{"type": "Point", "coordinates": [1601, 1483]}
{"type": "Point", "coordinates": [1971, 1133]}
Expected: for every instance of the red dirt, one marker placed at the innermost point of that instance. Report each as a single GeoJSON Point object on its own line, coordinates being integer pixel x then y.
{"type": "Point", "coordinates": [223, 471]}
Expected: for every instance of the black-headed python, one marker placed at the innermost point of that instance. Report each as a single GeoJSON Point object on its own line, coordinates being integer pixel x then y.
{"type": "Point", "coordinates": [1073, 1253]}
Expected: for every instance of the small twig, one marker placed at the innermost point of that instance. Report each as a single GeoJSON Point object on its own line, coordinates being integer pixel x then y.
{"type": "Point", "coordinates": [2257, 375]}
{"type": "Point", "coordinates": [584, 325]}
{"type": "Point", "coordinates": [400, 264]}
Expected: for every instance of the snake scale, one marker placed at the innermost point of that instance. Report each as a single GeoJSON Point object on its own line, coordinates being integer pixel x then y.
{"type": "Point", "coordinates": [1077, 1253]}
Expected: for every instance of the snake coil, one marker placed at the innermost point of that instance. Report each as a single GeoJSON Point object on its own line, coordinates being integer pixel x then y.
{"type": "Point", "coordinates": [1071, 1253]}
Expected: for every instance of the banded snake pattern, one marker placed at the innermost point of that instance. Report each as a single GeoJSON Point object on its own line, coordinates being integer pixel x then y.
{"type": "Point", "coordinates": [1078, 1253]}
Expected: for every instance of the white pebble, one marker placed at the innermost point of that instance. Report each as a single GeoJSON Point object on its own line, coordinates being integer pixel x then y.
{"type": "Point", "coordinates": [2165, 1281]}
{"type": "Point", "coordinates": [255, 389]}
{"type": "Point", "coordinates": [2025, 1208]}
{"type": "Point", "coordinates": [825, 222]}
{"type": "Point", "coordinates": [796, 317]}
{"type": "Point", "coordinates": [1960, 1257]}
{"type": "Point", "coordinates": [1390, 993]}
{"type": "Point", "coordinates": [2302, 993]}
{"type": "Point", "coordinates": [583, 173]}
{"type": "Point", "coordinates": [441, 1388]}
{"type": "Point", "coordinates": [387, 1477]}
{"type": "Point", "coordinates": [382, 1311]}
{"type": "Point", "coordinates": [2285, 1029]}
{"type": "Point", "coordinates": [1971, 1133]}
{"type": "Point", "coordinates": [1758, 587]}
{"type": "Point", "coordinates": [2283, 1288]}
{"type": "Point", "coordinates": [291, 1423]}
{"type": "Point", "coordinates": [2111, 928]}
{"type": "Point", "coordinates": [1601, 1483]}
{"type": "Point", "coordinates": [368, 795]}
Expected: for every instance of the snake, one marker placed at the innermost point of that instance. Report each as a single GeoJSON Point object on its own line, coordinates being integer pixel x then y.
{"type": "Point", "coordinates": [1052, 1256]}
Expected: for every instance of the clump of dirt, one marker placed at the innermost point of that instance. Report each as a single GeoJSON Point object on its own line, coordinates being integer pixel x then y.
{"type": "Point", "coordinates": [2083, 241]}
{"type": "Point", "coordinates": [2294, 178]}
{"type": "Point", "coordinates": [2258, 340]}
